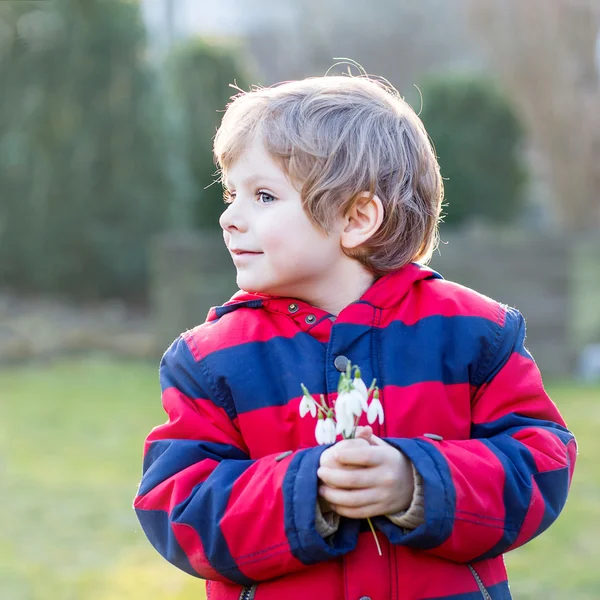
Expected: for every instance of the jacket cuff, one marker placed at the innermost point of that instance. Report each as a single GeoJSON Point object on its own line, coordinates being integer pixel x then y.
{"type": "Point", "coordinates": [327, 523]}
{"type": "Point", "coordinates": [439, 497]}
{"type": "Point", "coordinates": [300, 491]}
{"type": "Point", "coordinates": [415, 514]}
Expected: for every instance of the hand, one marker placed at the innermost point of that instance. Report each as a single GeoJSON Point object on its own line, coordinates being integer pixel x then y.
{"type": "Point", "coordinates": [365, 477]}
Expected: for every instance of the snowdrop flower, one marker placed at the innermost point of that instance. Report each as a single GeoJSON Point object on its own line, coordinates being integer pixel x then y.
{"type": "Point", "coordinates": [361, 388]}
{"type": "Point", "coordinates": [347, 406]}
{"type": "Point", "coordinates": [325, 430]}
{"type": "Point", "coordinates": [307, 404]}
{"type": "Point", "coordinates": [375, 409]}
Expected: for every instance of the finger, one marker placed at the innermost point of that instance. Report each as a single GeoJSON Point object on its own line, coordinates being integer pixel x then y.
{"type": "Point", "coordinates": [362, 512]}
{"type": "Point", "coordinates": [348, 498]}
{"type": "Point", "coordinates": [377, 441]}
{"type": "Point", "coordinates": [363, 432]}
{"type": "Point", "coordinates": [331, 456]}
{"type": "Point", "coordinates": [353, 478]}
{"type": "Point", "coordinates": [362, 457]}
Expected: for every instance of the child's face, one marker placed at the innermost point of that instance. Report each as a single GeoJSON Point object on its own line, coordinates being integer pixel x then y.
{"type": "Point", "coordinates": [285, 254]}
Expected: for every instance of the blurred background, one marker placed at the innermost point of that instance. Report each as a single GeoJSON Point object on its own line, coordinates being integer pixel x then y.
{"type": "Point", "coordinates": [110, 245]}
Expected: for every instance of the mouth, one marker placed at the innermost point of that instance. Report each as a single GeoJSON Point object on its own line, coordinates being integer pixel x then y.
{"type": "Point", "coordinates": [238, 252]}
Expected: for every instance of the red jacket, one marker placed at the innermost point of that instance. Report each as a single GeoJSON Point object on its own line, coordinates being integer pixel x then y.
{"type": "Point", "coordinates": [217, 500]}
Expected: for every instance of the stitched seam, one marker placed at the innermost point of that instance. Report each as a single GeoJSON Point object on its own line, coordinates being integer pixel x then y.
{"type": "Point", "coordinates": [210, 379]}
{"type": "Point", "coordinates": [249, 562]}
{"type": "Point", "coordinates": [260, 551]}
{"type": "Point", "coordinates": [466, 512]}
{"type": "Point", "coordinates": [484, 366]}
{"type": "Point", "coordinates": [473, 522]}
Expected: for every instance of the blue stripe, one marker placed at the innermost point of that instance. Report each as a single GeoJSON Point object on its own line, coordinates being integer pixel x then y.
{"type": "Point", "coordinates": [264, 374]}
{"type": "Point", "coordinates": [177, 455]}
{"type": "Point", "coordinates": [269, 373]}
{"type": "Point", "coordinates": [439, 497]}
{"type": "Point", "coordinates": [223, 310]}
{"type": "Point", "coordinates": [519, 466]}
{"type": "Point", "coordinates": [300, 494]}
{"type": "Point", "coordinates": [156, 526]}
{"type": "Point", "coordinates": [179, 369]}
{"type": "Point", "coordinates": [203, 511]}
{"type": "Point", "coordinates": [500, 591]}
{"type": "Point", "coordinates": [554, 487]}
{"type": "Point", "coordinates": [499, 348]}
{"type": "Point", "coordinates": [514, 422]}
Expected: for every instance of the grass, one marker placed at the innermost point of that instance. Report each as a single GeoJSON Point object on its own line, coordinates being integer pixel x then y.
{"type": "Point", "coordinates": [70, 457]}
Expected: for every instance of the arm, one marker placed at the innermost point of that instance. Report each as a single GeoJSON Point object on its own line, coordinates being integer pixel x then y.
{"type": "Point", "coordinates": [210, 509]}
{"type": "Point", "coordinates": [509, 482]}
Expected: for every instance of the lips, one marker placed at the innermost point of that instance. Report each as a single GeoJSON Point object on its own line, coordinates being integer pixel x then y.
{"type": "Point", "coordinates": [239, 251]}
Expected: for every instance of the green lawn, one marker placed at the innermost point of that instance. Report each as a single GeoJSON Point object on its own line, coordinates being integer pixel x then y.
{"type": "Point", "coordinates": [70, 458]}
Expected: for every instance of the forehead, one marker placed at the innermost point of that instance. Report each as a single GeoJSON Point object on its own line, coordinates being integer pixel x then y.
{"type": "Point", "coordinates": [254, 165]}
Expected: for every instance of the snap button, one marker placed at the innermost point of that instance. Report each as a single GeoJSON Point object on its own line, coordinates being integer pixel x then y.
{"type": "Point", "coordinates": [434, 436]}
{"type": "Point", "coordinates": [365, 598]}
{"type": "Point", "coordinates": [284, 455]}
{"type": "Point", "coordinates": [310, 319]}
{"type": "Point", "coordinates": [293, 307]}
{"type": "Point", "coordinates": [341, 363]}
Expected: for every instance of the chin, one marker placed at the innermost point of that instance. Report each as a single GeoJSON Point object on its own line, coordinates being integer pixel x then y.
{"type": "Point", "coordinates": [252, 287]}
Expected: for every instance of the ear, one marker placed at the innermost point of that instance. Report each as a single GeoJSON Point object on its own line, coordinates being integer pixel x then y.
{"type": "Point", "coordinates": [362, 220]}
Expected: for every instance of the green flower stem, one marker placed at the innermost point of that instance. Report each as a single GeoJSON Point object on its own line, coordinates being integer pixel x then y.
{"type": "Point", "coordinates": [375, 536]}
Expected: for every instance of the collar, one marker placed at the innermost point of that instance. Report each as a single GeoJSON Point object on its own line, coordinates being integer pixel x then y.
{"type": "Point", "coordinates": [386, 292]}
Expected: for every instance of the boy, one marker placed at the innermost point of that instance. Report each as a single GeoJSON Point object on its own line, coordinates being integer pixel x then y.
{"type": "Point", "coordinates": [334, 197]}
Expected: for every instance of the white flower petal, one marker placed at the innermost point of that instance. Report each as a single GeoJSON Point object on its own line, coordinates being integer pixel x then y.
{"type": "Point", "coordinates": [372, 413]}
{"type": "Point", "coordinates": [319, 432]}
{"type": "Point", "coordinates": [375, 411]}
{"type": "Point", "coordinates": [303, 407]}
{"type": "Point", "coordinates": [361, 388]}
{"type": "Point", "coordinates": [329, 431]}
{"type": "Point", "coordinates": [356, 401]}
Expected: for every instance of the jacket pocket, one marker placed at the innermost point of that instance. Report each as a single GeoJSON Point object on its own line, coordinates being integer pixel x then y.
{"type": "Point", "coordinates": [484, 592]}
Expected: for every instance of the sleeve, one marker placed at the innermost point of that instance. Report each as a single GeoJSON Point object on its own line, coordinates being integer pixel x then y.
{"type": "Point", "coordinates": [506, 484]}
{"type": "Point", "coordinates": [210, 509]}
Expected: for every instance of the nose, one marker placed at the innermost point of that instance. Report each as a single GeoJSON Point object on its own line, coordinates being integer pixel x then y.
{"type": "Point", "coordinates": [232, 218]}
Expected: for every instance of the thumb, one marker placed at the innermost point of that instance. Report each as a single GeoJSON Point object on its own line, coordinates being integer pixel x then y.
{"type": "Point", "coordinates": [366, 433]}
{"type": "Point", "coordinates": [376, 441]}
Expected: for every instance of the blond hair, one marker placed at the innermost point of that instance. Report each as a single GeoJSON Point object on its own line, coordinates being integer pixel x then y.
{"type": "Point", "coordinates": [339, 137]}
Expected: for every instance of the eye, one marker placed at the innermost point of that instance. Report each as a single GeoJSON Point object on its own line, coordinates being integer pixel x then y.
{"type": "Point", "coordinates": [265, 197]}
{"type": "Point", "coordinates": [228, 197]}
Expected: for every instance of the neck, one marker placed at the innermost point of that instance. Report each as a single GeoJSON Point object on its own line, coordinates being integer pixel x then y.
{"type": "Point", "coordinates": [350, 282]}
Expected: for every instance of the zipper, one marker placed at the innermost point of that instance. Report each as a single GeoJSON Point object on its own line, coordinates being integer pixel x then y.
{"type": "Point", "coordinates": [249, 592]}
{"type": "Point", "coordinates": [482, 589]}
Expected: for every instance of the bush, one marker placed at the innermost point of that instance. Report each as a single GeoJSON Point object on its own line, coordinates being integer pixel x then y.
{"type": "Point", "coordinates": [86, 168]}
{"type": "Point", "coordinates": [478, 138]}
{"type": "Point", "coordinates": [199, 75]}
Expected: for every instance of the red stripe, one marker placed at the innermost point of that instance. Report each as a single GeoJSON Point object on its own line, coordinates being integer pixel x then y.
{"type": "Point", "coordinates": [533, 518]}
{"type": "Point", "coordinates": [445, 299]}
{"type": "Point", "coordinates": [257, 495]}
{"type": "Point", "coordinates": [247, 326]}
{"type": "Point", "coordinates": [173, 491]}
{"type": "Point", "coordinates": [197, 419]}
{"type": "Point", "coordinates": [287, 431]}
{"type": "Point", "coordinates": [548, 451]}
{"type": "Point", "coordinates": [477, 505]}
{"type": "Point", "coordinates": [190, 542]}
{"type": "Point", "coordinates": [572, 455]}
{"type": "Point", "coordinates": [516, 388]}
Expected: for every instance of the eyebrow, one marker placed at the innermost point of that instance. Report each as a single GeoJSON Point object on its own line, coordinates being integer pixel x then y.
{"type": "Point", "coordinates": [252, 180]}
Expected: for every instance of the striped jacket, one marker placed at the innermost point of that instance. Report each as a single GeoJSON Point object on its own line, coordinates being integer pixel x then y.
{"type": "Point", "coordinates": [222, 499]}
